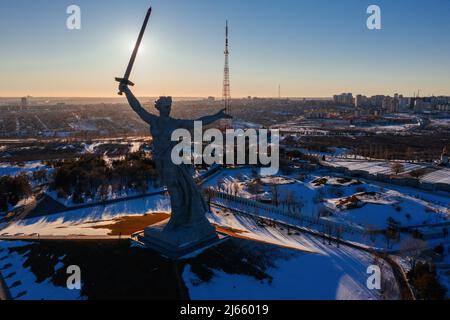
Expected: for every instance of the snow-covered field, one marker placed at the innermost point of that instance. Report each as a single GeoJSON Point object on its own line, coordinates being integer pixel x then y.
{"type": "Point", "coordinates": [84, 222]}
{"type": "Point", "coordinates": [392, 128]}
{"type": "Point", "coordinates": [305, 269]}
{"type": "Point", "coordinates": [110, 196]}
{"type": "Point", "coordinates": [441, 122]}
{"type": "Point", "coordinates": [23, 283]}
{"type": "Point", "coordinates": [7, 169]}
{"type": "Point", "coordinates": [347, 201]}
{"type": "Point", "coordinates": [310, 270]}
{"type": "Point", "coordinates": [328, 273]}
{"type": "Point", "coordinates": [371, 167]}
{"type": "Point", "coordinates": [318, 192]}
{"type": "Point", "coordinates": [374, 211]}
{"type": "Point", "coordinates": [439, 176]}
{"type": "Point", "coordinates": [133, 143]}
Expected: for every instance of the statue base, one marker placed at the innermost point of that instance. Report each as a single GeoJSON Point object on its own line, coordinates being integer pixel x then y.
{"type": "Point", "coordinates": [178, 243]}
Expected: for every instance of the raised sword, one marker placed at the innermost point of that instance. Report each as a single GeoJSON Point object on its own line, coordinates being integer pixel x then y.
{"type": "Point", "coordinates": [126, 77]}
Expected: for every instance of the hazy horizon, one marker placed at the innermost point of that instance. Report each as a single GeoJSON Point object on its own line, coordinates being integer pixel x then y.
{"type": "Point", "coordinates": [217, 99]}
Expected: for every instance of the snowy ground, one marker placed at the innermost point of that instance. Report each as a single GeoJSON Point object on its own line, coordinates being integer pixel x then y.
{"type": "Point", "coordinates": [371, 167]}
{"type": "Point", "coordinates": [110, 196]}
{"type": "Point", "coordinates": [323, 191]}
{"type": "Point", "coordinates": [441, 122]}
{"type": "Point", "coordinates": [314, 271]}
{"type": "Point", "coordinates": [376, 203]}
{"type": "Point", "coordinates": [391, 128]}
{"type": "Point", "coordinates": [133, 143]}
{"type": "Point", "coordinates": [7, 169]}
{"type": "Point", "coordinates": [328, 273]}
{"type": "Point", "coordinates": [375, 210]}
{"type": "Point", "coordinates": [21, 204]}
{"type": "Point", "coordinates": [439, 176]}
{"type": "Point", "coordinates": [21, 280]}
{"type": "Point", "coordinates": [83, 221]}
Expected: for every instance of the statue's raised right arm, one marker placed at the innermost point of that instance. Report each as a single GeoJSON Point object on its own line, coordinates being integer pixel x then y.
{"type": "Point", "coordinates": [136, 105]}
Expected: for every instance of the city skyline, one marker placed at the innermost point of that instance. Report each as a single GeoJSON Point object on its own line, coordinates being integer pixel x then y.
{"type": "Point", "coordinates": [271, 43]}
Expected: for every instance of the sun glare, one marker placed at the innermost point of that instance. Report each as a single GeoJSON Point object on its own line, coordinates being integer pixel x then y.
{"type": "Point", "coordinates": [133, 44]}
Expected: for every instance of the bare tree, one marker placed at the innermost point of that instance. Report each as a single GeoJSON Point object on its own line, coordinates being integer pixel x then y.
{"type": "Point", "coordinates": [235, 187]}
{"type": "Point", "coordinates": [275, 195]}
{"type": "Point", "coordinates": [255, 187]}
{"type": "Point", "coordinates": [389, 287]}
{"type": "Point", "coordinates": [290, 200]}
{"type": "Point", "coordinates": [209, 195]}
{"type": "Point", "coordinates": [397, 168]}
{"type": "Point", "coordinates": [411, 249]}
{"type": "Point", "coordinates": [103, 192]}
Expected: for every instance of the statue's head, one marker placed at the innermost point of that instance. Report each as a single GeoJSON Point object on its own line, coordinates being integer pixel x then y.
{"type": "Point", "coordinates": [164, 105]}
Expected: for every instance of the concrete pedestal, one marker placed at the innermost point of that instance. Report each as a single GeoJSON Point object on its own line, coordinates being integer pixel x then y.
{"type": "Point", "coordinates": [176, 244]}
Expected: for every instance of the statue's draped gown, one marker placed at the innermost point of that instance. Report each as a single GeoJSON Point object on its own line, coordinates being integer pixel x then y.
{"type": "Point", "coordinates": [188, 205]}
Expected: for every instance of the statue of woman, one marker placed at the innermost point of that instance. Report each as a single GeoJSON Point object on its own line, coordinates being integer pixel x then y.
{"type": "Point", "coordinates": [188, 206]}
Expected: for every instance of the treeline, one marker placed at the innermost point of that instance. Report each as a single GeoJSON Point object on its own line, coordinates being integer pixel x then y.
{"type": "Point", "coordinates": [13, 190]}
{"type": "Point", "coordinates": [92, 177]}
{"type": "Point", "coordinates": [425, 281]}
{"type": "Point", "coordinates": [426, 147]}
{"type": "Point", "coordinates": [297, 154]}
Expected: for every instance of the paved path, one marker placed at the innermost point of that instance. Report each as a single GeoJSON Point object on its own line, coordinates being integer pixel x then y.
{"type": "Point", "coordinates": [405, 289]}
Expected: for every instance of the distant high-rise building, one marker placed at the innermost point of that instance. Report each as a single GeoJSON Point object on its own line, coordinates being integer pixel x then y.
{"type": "Point", "coordinates": [360, 101]}
{"type": "Point", "coordinates": [377, 101]}
{"type": "Point", "coordinates": [420, 105]}
{"type": "Point", "coordinates": [24, 102]}
{"type": "Point", "coordinates": [404, 104]}
{"type": "Point", "coordinates": [344, 99]}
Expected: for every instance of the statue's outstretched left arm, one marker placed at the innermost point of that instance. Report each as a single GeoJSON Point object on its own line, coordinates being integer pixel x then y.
{"type": "Point", "coordinates": [215, 117]}
{"type": "Point", "coordinates": [189, 124]}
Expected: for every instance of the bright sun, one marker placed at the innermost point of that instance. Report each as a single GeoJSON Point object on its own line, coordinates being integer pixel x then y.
{"type": "Point", "coordinates": [141, 47]}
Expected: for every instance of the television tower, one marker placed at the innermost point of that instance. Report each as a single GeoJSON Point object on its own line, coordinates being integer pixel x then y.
{"type": "Point", "coordinates": [226, 94]}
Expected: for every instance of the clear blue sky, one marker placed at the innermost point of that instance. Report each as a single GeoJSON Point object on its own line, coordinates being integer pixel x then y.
{"type": "Point", "coordinates": [311, 47]}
